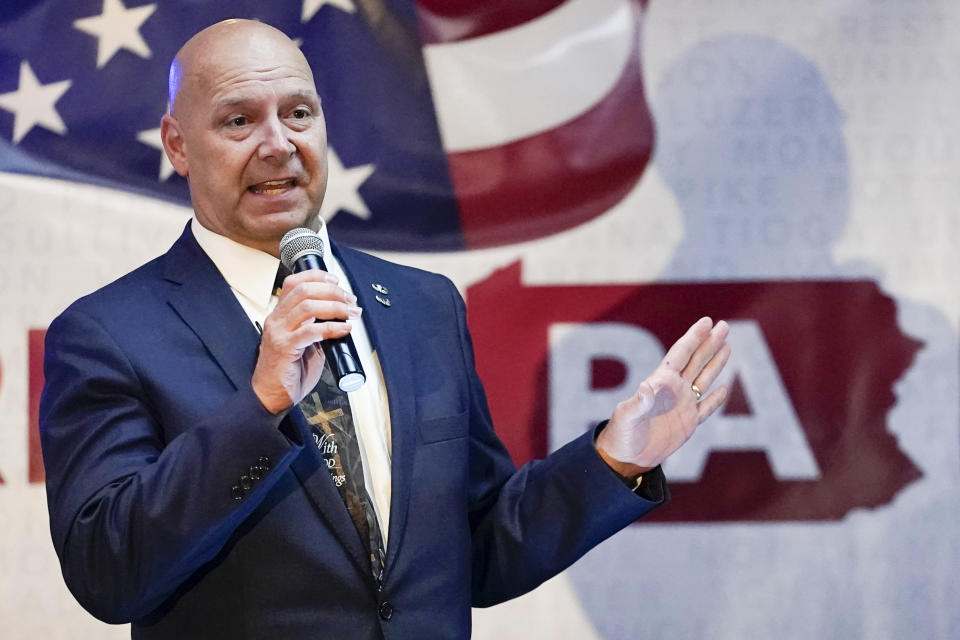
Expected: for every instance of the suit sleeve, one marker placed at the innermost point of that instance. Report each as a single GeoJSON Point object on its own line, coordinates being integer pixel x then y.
{"type": "Point", "coordinates": [132, 516]}
{"type": "Point", "coordinates": [529, 524]}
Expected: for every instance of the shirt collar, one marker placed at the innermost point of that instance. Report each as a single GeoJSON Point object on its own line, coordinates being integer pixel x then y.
{"type": "Point", "coordinates": [248, 271]}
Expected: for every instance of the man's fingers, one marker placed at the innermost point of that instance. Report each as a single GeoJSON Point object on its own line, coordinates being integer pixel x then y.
{"type": "Point", "coordinates": [683, 349]}
{"type": "Point", "coordinates": [310, 275]}
{"type": "Point", "coordinates": [709, 373]}
{"type": "Point", "coordinates": [314, 332]}
{"type": "Point", "coordinates": [304, 301]}
{"type": "Point", "coordinates": [324, 310]}
{"type": "Point", "coordinates": [710, 403]}
{"type": "Point", "coordinates": [293, 295]}
{"type": "Point", "coordinates": [704, 354]}
{"type": "Point", "coordinates": [291, 345]}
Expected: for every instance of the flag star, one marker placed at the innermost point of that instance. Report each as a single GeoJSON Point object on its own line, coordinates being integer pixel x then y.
{"type": "Point", "coordinates": [152, 138]}
{"type": "Point", "coordinates": [117, 28]}
{"type": "Point", "coordinates": [343, 188]}
{"type": "Point", "coordinates": [32, 104]}
{"type": "Point", "coordinates": [310, 7]}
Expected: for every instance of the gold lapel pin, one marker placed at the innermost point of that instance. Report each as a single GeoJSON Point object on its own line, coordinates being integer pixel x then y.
{"type": "Point", "coordinates": [384, 301]}
{"type": "Point", "coordinates": [379, 288]}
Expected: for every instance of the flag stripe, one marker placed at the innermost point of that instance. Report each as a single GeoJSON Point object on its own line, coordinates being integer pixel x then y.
{"type": "Point", "coordinates": [503, 87]}
{"type": "Point", "coordinates": [452, 20]}
{"type": "Point", "coordinates": [559, 179]}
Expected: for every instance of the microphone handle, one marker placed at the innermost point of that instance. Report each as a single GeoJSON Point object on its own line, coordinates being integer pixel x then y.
{"type": "Point", "coordinates": [341, 354]}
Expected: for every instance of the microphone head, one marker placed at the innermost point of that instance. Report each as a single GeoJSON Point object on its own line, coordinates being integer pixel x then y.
{"type": "Point", "coordinates": [299, 242]}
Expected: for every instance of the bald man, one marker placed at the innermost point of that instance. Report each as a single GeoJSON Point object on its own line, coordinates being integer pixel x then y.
{"type": "Point", "coordinates": [187, 492]}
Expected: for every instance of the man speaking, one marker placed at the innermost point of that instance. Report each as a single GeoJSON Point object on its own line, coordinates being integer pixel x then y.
{"type": "Point", "coordinates": [206, 475]}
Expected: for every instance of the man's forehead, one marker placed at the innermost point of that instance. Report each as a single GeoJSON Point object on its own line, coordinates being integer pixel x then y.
{"type": "Point", "coordinates": [236, 83]}
{"type": "Point", "coordinates": [237, 51]}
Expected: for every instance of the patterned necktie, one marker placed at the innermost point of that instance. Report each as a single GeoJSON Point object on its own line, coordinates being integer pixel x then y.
{"type": "Point", "coordinates": [327, 410]}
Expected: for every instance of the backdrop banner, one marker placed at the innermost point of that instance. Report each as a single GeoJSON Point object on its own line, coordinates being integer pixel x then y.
{"type": "Point", "coordinates": [594, 175]}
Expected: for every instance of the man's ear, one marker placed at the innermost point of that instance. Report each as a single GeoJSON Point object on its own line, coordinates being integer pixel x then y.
{"type": "Point", "coordinates": [172, 135]}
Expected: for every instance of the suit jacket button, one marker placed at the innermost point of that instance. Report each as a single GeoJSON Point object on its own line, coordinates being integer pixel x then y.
{"type": "Point", "coordinates": [237, 493]}
{"type": "Point", "coordinates": [246, 482]}
{"type": "Point", "coordinates": [264, 463]}
{"type": "Point", "coordinates": [385, 611]}
{"type": "Point", "coordinates": [255, 472]}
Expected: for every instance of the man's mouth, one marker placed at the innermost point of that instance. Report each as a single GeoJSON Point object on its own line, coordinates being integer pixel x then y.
{"type": "Point", "coordinates": [273, 187]}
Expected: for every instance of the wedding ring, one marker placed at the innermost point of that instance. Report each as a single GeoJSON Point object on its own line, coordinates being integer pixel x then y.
{"type": "Point", "coordinates": [697, 391]}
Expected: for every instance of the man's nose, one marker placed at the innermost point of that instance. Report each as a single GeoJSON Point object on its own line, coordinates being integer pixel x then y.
{"type": "Point", "coordinates": [275, 143]}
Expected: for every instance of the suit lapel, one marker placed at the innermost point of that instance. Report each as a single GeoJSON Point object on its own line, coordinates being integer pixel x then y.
{"type": "Point", "coordinates": [388, 328]}
{"type": "Point", "coordinates": [203, 300]}
{"type": "Point", "coordinates": [206, 304]}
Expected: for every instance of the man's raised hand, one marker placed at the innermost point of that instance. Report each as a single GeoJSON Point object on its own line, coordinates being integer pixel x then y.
{"type": "Point", "coordinates": [669, 405]}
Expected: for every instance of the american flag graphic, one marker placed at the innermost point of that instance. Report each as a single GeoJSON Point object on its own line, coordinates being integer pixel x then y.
{"type": "Point", "coordinates": [452, 125]}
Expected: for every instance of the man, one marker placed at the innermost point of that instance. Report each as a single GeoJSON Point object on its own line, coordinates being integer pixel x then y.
{"type": "Point", "coordinates": [185, 489]}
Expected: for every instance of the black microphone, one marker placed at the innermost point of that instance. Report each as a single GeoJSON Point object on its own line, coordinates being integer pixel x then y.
{"type": "Point", "coordinates": [302, 249]}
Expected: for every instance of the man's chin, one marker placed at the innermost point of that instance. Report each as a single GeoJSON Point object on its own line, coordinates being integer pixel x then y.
{"type": "Point", "coordinates": [271, 228]}
{"type": "Point", "coordinates": [278, 223]}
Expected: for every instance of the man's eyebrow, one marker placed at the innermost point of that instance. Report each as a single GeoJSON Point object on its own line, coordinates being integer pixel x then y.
{"type": "Point", "coordinates": [303, 94]}
{"type": "Point", "coordinates": [231, 102]}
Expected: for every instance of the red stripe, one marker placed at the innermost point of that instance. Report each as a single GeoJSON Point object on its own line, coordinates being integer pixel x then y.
{"type": "Point", "coordinates": [455, 20]}
{"type": "Point", "coordinates": [561, 178]}
{"type": "Point", "coordinates": [35, 473]}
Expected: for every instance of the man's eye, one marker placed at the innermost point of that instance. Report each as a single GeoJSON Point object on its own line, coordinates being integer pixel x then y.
{"type": "Point", "coordinates": [239, 121]}
{"type": "Point", "coordinates": [300, 114]}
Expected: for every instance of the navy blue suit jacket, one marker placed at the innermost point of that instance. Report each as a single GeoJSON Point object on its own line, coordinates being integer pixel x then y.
{"type": "Point", "coordinates": [148, 421]}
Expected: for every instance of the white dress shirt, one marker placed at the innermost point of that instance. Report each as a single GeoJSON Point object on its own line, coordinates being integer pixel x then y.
{"type": "Point", "coordinates": [250, 274]}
